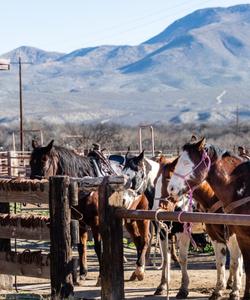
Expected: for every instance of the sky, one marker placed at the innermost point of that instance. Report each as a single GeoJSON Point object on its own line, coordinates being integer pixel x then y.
{"type": "Point", "coordinates": [67, 25]}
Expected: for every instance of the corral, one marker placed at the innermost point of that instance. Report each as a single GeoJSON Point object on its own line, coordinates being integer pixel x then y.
{"type": "Point", "coordinates": [112, 274]}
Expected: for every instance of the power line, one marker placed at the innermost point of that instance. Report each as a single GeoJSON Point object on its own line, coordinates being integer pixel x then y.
{"type": "Point", "coordinates": [140, 18]}
{"type": "Point", "coordinates": [145, 23]}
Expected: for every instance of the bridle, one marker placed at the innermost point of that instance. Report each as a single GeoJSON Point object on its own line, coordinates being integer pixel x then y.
{"type": "Point", "coordinates": [184, 177]}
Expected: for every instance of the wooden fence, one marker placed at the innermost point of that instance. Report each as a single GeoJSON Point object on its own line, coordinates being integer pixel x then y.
{"type": "Point", "coordinates": [61, 193]}
{"type": "Point", "coordinates": [111, 215]}
{"type": "Point", "coordinates": [14, 163]}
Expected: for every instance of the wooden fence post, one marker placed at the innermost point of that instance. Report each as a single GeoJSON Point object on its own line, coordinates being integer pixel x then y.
{"type": "Point", "coordinates": [112, 273]}
{"type": "Point", "coordinates": [60, 247]}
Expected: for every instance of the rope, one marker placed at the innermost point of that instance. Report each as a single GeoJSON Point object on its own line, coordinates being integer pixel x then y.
{"type": "Point", "coordinates": [164, 226]}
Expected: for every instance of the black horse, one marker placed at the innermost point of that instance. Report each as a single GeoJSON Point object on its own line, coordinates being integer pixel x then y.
{"type": "Point", "coordinates": [54, 160]}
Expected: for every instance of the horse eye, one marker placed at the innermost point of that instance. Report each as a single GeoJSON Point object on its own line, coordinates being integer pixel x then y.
{"type": "Point", "coordinates": [44, 159]}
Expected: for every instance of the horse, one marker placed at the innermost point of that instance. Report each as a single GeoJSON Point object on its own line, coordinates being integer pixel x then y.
{"type": "Point", "coordinates": [208, 202]}
{"type": "Point", "coordinates": [177, 230]}
{"type": "Point", "coordinates": [54, 160]}
{"type": "Point", "coordinates": [139, 194]}
{"type": "Point", "coordinates": [228, 176]}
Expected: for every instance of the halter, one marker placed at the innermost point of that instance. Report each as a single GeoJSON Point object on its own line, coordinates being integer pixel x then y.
{"type": "Point", "coordinates": [188, 226]}
{"type": "Point", "coordinates": [184, 177]}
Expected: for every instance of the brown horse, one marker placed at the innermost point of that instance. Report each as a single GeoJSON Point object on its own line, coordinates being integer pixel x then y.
{"type": "Point", "coordinates": [228, 175]}
{"type": "Point", "coordinates": [221, 238]}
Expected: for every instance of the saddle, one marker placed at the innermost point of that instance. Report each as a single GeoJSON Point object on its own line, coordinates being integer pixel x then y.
{"type": "Point", "coordinates": [101, 164]}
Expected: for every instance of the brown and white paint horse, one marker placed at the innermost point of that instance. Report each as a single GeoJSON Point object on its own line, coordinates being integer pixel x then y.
{"type": "Point", "coordinates": [182, 239]}
{"type": "Point", "coordinates": [220, 237]}
{"type": "Point", "coordinates": [228, 175]}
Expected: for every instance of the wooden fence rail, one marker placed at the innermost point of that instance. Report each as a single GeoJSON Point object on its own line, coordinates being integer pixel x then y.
{"type": "Point", "coordinates": [208, 218]}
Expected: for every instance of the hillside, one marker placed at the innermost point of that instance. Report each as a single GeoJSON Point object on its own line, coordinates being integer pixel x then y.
{"type": "Point", "coordinates": [197, 69]}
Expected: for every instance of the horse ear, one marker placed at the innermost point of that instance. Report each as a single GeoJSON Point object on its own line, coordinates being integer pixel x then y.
{"type": "Point", "coordinates": [174, 163]}
{"type": "Point", "coordinates": [49, 147]}
{"type": "Point", "coordinates": [201, 144]}
{"type": "Point", "coordinates": [126, 155]}
{"type": "Point", "coordinates": [34, 144]}
{"type": "Point", "coordinates": [141, 156]}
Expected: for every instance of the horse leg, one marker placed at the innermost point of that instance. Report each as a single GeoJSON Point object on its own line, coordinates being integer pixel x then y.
{"type": "Point", "coordinates": [143, 226]}
{"type": "Point", "coordinates": [148, 259]}
{"type": "Point", "coordinates": [82, 251]}
{"type": "Point", "coordinates": [244, 247]}
{"type": "Point", "coordinates": [183, 241]}
{"type": "Point", "coordinates": [220, 251]}
{"type": "Point", "coordinates": [97, 247]}
{"type": "Point", "coordinates": [236, 267]}
{"type": "Point", "coordinates": [165, 275]}
{"type": "Point", "coordinates": [173, 250]}
{"type": "Point", "coordinates": [132, 229]}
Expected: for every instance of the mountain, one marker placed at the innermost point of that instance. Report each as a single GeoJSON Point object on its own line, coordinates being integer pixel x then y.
{"type": "Point", "coordinates": [193, 71]}
{"type": "Point", "coordinates": [31, 55]}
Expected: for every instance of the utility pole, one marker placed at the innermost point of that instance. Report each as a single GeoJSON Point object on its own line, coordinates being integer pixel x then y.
{"type": "Point", "coordinates": [19, 62]}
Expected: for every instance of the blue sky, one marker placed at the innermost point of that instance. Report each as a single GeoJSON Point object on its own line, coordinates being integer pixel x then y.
{"type": "Point", "coordinates": [67, 25]}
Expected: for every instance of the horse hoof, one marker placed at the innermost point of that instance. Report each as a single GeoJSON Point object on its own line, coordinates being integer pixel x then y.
{"type": "Point", "coordinates": [234, 297]}
{"type": "Point", "coordinates": [133, 277]}
{"type": "Point", "coordinates": [215, 296]}
{"type": "Point", "coordinates": [159, 291]}
{"type": "Point", "coordinates": [140, 277]}
{"type": "Point", "coordinates": [182, 294]}
{"type": "Point", "coordinates": [81, 280]}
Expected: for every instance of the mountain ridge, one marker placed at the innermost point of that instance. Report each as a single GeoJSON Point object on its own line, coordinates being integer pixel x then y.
{"type": "Point", "coordinates": [176, 76]}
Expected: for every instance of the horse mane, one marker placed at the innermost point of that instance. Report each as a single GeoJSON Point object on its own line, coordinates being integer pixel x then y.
{"type": "Point", "coordinates": [71, 163]}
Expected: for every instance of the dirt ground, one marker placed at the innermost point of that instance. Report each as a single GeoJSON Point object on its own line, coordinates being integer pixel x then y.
{"type": "Point", "coordinates": [202, 275]}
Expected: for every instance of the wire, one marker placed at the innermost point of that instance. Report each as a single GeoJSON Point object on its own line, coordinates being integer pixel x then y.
{"type": "Point", "coordinates": [145, 23]}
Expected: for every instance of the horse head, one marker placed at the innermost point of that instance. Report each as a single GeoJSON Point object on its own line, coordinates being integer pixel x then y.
{"type": "Point", "coordinates": [134, 172]}
{"type": "Point", "coordinates": [191, 168]}
{"type": "Point", "coordinates": [41, 161]}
